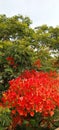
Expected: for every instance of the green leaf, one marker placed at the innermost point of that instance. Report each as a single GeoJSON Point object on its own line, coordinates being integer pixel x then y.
{"type": "Point", "coordinates": [33, 122]}
{"type": "Point", "coordinates": [25, 122]}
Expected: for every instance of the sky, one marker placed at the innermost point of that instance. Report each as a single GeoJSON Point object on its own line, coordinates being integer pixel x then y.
{"type": "Point", "coordinates": [39, 11]}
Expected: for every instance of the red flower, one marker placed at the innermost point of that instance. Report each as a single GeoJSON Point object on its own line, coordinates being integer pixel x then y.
{"type": "Point", "coordinates": [32, 113]}
{"type": "Point", "coordinates": [37, 63]}
{"type": "Point", "coordinates": [33, 92]}
{"type": "Point", "coordinates": [11, 61]}
{"type": "Point", "coordinates": [9, 58]}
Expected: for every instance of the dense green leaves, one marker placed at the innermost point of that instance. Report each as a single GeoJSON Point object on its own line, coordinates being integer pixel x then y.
{"type": "Point", "coordinates": [26, 45]}
{"type": "Point", "coordinates": [5, 118]}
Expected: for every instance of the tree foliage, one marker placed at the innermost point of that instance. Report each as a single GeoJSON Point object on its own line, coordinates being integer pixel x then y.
{"type": "Point", "coordinates": [25, 45]}
{"type": "Point", "coordinates": [24, 48]}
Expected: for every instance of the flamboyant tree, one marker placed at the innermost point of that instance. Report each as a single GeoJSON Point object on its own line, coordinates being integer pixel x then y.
{"type": "Point", "coordinates": [24, 46]}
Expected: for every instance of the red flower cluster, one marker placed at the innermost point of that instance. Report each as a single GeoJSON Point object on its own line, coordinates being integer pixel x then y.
{"type": "Point", "coordinates": [37, 63]}
{"type": "Point", "coordinates": [33, 92]}
{"type": "Point", "coordinates": [11, 61]}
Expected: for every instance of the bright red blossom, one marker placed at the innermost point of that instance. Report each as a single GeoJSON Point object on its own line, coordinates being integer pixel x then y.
{"type": "Point", "coordinates": [11, 61]}
{"type": "Point", "coordinates": [37, 63]}
{"type": "Point", "coordinates": [33, 92]}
